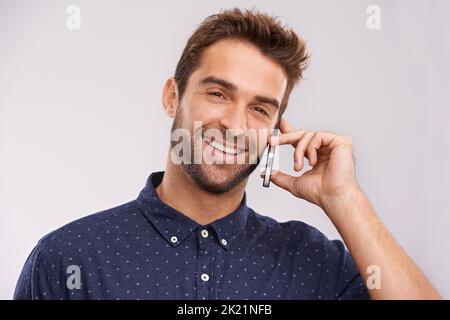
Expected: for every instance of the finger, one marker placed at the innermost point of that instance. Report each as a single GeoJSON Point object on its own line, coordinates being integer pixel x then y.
{"type": "Point", "coordinates": [327, 138]}
{"type": "Point", "coordinates": [282, 180]}
{"type": "Point", "coordinates": [314, 145]}
{"type": "Point", "coordinates": [323, 140]}
{"type": "Point", "coordinates": [288, 138]}
{"type": "Point", "coordinates": [300, 150]}
{"type": "Point", "coordinates": [284, 126]}
{"type": "Point", "coordinates": [311, 150]}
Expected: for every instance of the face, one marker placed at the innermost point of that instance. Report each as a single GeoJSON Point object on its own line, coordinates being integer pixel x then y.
{"type": "Point", "coordinates": [235, 91]}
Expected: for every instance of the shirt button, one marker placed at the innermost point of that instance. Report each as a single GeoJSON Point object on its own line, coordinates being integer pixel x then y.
{"type": "Point", "coordinates": [204, 233]}
{"type": "Point", "coordinates": [224, 242]}
{"type": "Point", "coordinates": [204, 277]}
{"type": "Point", "coordinates": [174, 239]}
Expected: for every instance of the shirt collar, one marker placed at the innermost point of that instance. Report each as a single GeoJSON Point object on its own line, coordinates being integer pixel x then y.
{"type": "Point", "coordinates": [175, 227]}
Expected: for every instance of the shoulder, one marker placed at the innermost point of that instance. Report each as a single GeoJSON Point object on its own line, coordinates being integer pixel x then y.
{"type": "Point", "coordinates": [293, 234]}
{"type": "Point", "coordinates": [87, 230]}
{"type": "Point", "coordinates": [72, 244]}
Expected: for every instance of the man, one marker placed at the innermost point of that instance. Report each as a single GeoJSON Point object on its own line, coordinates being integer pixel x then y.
{"type": "Point", "coordinates": [190, 234]}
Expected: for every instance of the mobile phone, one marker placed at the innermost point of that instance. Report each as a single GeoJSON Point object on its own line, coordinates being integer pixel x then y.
{"type": "Point", "coordinates": [269, 162]}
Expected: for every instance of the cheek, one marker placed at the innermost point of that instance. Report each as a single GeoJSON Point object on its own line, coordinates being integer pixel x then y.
{"type": "Point", "coordinates": [263, 140]}
{"type": "Point", "coordinates": [258, 136]}
{"type": "Point", "coordinates": [203, 110]}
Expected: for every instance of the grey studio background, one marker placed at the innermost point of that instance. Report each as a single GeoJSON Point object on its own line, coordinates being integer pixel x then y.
{"type": "Point", "coordinates": [82, 124]}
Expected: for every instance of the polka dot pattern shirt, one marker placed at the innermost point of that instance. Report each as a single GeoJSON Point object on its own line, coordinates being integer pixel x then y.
{"type": "Point", "coordinates": [145, 249]}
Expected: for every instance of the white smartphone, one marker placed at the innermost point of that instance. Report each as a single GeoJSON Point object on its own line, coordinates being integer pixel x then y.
{"type": "Point", "coordinates": [269, 162]}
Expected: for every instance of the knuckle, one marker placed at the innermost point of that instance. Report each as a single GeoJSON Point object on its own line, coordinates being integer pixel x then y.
{"type": "Point", "coordinates": [348, 140]}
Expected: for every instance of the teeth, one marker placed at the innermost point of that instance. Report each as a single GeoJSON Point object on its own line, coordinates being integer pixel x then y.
{"type": "Point", "coordinates": [222, 148]}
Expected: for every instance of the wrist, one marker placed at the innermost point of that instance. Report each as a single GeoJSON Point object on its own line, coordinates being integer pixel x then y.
{"type": "Point", "coordinates": [339, 202]}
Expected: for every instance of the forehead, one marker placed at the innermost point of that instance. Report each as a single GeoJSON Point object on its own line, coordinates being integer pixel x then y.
{"type": "Point", "coordinates": [242, 64]}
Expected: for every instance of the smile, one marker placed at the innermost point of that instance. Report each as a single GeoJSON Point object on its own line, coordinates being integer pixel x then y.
{"type": "Point", "coordinates": [220, 147]}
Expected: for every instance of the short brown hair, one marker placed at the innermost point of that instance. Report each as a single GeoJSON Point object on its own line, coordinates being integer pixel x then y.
{"type": "Point", "coordinates": [274, 40]}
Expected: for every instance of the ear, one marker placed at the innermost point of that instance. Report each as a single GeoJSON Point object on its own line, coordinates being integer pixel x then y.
{"type": "Point", "coordinates": [170, 97]}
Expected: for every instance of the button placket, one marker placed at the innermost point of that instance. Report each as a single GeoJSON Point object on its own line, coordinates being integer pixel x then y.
{"type": "Point", "coordinates": [204, 271]}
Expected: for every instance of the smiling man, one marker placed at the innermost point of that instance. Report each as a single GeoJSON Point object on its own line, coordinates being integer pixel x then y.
{"type": "Point", "coordinates": [190, 234]}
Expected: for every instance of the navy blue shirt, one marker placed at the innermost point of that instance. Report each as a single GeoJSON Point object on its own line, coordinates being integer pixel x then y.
{"type": "Point", "coordinates": [146, 249]}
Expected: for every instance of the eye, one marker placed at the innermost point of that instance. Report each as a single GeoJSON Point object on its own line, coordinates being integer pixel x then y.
{"type": "Point", "coordinates": [217, 94]}
{"type": "Point", "coordinates": [261, 110]}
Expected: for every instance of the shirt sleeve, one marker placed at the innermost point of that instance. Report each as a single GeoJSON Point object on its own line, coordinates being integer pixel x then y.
{"type": "Point", "coordinates": [36, 281]}
{"type": "Point", "coordinates": [349, 283]}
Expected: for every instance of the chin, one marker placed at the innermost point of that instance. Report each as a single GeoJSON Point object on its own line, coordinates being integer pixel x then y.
{"type": "Point", "coordinates": [218, 178]}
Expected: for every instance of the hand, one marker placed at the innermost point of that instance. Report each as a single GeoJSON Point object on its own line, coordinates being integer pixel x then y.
{"type": "Point", "coordinates": [330, 155]}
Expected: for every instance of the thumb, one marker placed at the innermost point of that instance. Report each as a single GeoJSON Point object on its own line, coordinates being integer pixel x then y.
{"type": "Point", "coordinates": [282, 180]}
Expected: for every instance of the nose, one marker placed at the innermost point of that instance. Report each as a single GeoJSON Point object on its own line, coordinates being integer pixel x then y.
{"type": "Point", "coordinates": [235, 120]}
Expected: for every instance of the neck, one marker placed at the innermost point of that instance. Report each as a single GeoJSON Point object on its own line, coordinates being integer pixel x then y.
{"type": "Point", "coordinates": [181, 193]}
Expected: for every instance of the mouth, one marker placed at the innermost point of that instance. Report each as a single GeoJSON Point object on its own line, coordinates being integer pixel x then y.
{"type": "Point", "coordinates": [220, 147]}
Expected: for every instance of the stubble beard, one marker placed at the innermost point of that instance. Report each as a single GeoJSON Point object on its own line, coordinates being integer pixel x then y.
{"type": "Point", "coordinates": [213, 178]}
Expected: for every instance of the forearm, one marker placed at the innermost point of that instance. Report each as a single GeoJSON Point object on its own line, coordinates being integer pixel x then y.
{"type": "Point", "coordinates": [370, 243]}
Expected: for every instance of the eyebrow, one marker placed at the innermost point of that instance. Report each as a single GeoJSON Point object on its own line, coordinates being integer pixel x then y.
{"type": "Point", "coordinates": [232, 87]}
{"type": "Point", "coordinates": [273, 102]}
